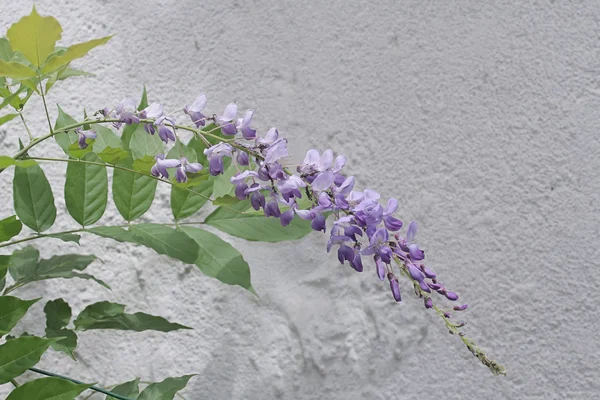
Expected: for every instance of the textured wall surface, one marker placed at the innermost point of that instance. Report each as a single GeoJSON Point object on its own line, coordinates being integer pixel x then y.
{"type": "Point", "coordinates": [483, 120]}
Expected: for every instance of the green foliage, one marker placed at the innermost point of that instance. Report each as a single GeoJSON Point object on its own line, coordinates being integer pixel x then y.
{"type": "Point", "coordinates": [218, 259]}
{"type": "Point", "coordinates": [4, 262]}
{"type": "Point", "coordinates": [15, 70]}
{"type": "Point", "coordinates": [25, 267]}
{"type": "Point", "coordinates": [33, 198]}
{"type": "Point", "coordinates": [9, 228]}
{"type": "Point", "coordinates": [64, 139]}
{"type": "Point", "coordinates": [107, 315]}
{"type": "Point", "coordinates": [133, 193]}
{"type": "Point", "coordinates": [142, 144]}
{"type": "Point", "coordinates": [8, 117]}
{"type": "Point", "coordinates": [185, 203]}
{"type": "Point", "coordinates": [58, 316]}
{"type": "Point", "coordinates": [164, 390]}
{"type": "Point", "coordinates": [17, 355]}
{"type": "Point", "coordinates": [6, 162]}
{"type": "Point", "coordinates": [48, 389]}
{"type": "Point", "coordinates": [165, 240]}
{"type": "Point", "coordinates": [34, 36]}
{"type": "Point", "coordinates": [113, 155]}
{"type": "Point", "coordinates": [86, 190]}
{"type": "Point", "coordinates": [105, 138]}
{"type": "Point", "coordinates": [254, 226]}
{"type": "Point", "coordinates": [12, 309]}
{"type": "Point", "coordinates": [129, 389]}
{"type": "Point", "coordinates": [223, 186]}
{"type": "Point", "coordinates": [73, 52]}
{"type": "Point", "coordinates": [65, 237]}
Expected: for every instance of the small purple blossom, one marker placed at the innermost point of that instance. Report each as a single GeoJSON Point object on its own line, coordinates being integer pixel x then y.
{"type": "Point", "coordinates": [153, 111]}
{"type": "Point", "coordinates": [82, 136]}
{"type": "Point", "coordinates": [159, 169]}
{"type": "Point", "coordinates": [186, 166]}
{"type": "Point", "coordinates": [126, 111]}
{"type": "Point", "coordinates": [215, 156]}
{"type": "Point", "coordinates": [243, 124]}
{"type": "Point", "coordinates": [225, 120]}
{"type": "Point", "coordinates": [194, 110]}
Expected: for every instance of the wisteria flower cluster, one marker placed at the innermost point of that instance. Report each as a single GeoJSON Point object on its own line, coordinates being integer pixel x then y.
{"type": "Point", "coordinates": [258, 193]}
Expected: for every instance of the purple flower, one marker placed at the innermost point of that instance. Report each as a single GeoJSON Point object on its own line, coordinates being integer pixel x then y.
{"type": "Point", "coordinates": [270, 138]}
{"type": "Point", "coordinates": [225, 120]}
{"type": "Point", "coordinates": [215, 156]}
{"type": "Point", "coordinates": [126, 111]}
{"type": "Point", "coordinates": [380, 267]}
{"type": "Point", "coordinates": [243, 124]}
{"type": "Point", "coordinates": [83, 135]}
{"type": "Point", "coordinates": [165, 129]}
{"type": "Point", "coordinates": [394, 286]}
{"type": "Point", "coordinates": [159, 169]}
{"type": "Point", "coordinates": [153, 111]}
{"type": "Point", "coordinates": [276, 151]}
{"type": "Point", "coordinates": [242, 158]}
{"type": "Point", "coordinates": [391, 223]}
{"type": "Point", "coordinates": [257, 199]}
{"type": "Point", "coordinates": [378, 245]}
{"type": "Point", "coordinates": [290, 187]}
{"type": "Point", "coordinates": [316, 169]}
{"type": "Point", "coordinates": [194, 110]}
{"type": "Point", "coordinates": [186, 166]}
{"type": "Point", "coordinates": [272, 209]}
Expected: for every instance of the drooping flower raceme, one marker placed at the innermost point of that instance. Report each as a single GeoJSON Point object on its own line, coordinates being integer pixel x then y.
{"type": "Point", "coordinates": [362, 227]}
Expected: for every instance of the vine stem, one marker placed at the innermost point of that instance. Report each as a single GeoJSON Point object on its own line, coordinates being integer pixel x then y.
{"type": "Point", "coordinates": [25, 125]}
{"type": "Point", "coordinates": [96, 388]}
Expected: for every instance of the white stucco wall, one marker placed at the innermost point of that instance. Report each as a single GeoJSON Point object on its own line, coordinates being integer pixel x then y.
{"type": "Point", "coordinates": [482, 119]}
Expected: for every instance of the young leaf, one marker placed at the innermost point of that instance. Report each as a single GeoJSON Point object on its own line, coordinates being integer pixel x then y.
{"type": "Point", "coordinates": [255, 226]}
{"type": "Point", "coordinates": [8, 117]}
{"type": "Point", "coordinates": [17, 355]}
{"type": "Point", "coordinates": [73, 52]}
{"type": "Point", "coordinates": [107, 315]}
{"type": "Point", "coordinates": [48, 389]}
{"type": "Point", "coordinates": [113, 232]}
{"type": "Point", "coordinates": [165, 240]}
{"type": "Point", "coordinates": [164, 390]}
{"type": "Point", "coordinates": [144, 100]}
{"type": "Point", "coordinates": [133, 193]}
{"type": "Point", "coordinates": [6, 52]}
{"type": "Point", "coordinates": [129, 389]}
{"type": "Point", "coordinates": [33, 199]}
{"type": "Point", "coordinates": [58, 316]}
{"type": "Point", "coordinates": [86, 190]}
{"type": "Point", "coordinates": [9, 228]}
{"type": "Point", "coordinates": [223, 185]}
{"type": "Point", "coordinates": [218, 259]}
{"type": "Point", "coordinates": [65, 237]}
{"type": "Point", "coordinates": [113, 155]}
{"type": "Point", "coordinates": [12, 309]}
{"type": "Point", "coordinates": [34, 36]}
{"type": "Point", "coordinates": [15, 70]}
{"type": "Point", "coordinates": [185, 203]}
{"type": "Point", "coordinates": [25, 268]}
{"type": "Point", "coordinates": [64, 139]}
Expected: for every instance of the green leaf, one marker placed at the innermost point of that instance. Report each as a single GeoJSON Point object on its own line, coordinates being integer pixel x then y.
{"type": "Point", "coordinates": [218, 259]}
{"type": "Point", "coordinates": [199, 146]}
{"type": "Point", "coordinates": [254, 226]}
{"type": "Point", "coordinates": [9, 228]}
{"type": "Point", "coordinates": [25, 267]}
{"type": "Point", "coordinates": [6, 161]}
{"type": "Point", "coordinates": [105, 138]}
{"type": "Point", "coordinates": [15, 70]}
{"type": "Point", "coordinates": [113, 232]}
{"type": "Point", "coordinates": [144, 100]}
{"type": "Point", "coordinates": [144, 164]}
{"type": "Point", "coordinates": [113, 155]}
{"type": "Point", "coordinates": [4, 261]}
{"type": "Point", "coordinates": [64, 139]}
{"type": "Point", "coordinates": [129, 389]}
{"type": "Point", "coordinates": [223, 185]}
{"type": "Point", "coordinates": [33, 199]}
{"type": "Point", "coordinates": [48, 389]}
{"type": "Point", "coordinates": [133, 193]}
{"type": "Point", "coordinates": [6, 52]}
{"type": "Point", "coordinates": [65, 237]}
{"type": "Point", "coordinates": [76, 152]}
{"type": "Point", "coordinates": [185, 203]}
{"type": "Point", "coordinates": [17, 355]}
{"type": "Point", "coordinates": [8, 117]}
{"type": "Point", "coordinates": [107, 315]}
{"type": "Point", "coordinates": [34, 36]}
{"type": "Point", "coordinates": [86, 190]}
{"type": "Point", "coordinates": [165, 240]}
{"type": "Point", "coordinates": [227, 200]}
{"type": "Point", "coordinates": [179, 149]}
{"type": "Point", "coordinates": [73, 52]}
{"type": "Point", "coordinates": [58, 316]}
{"type": "Point", "coordinates": [64, 73]}
{"type": "Point", "coordinates": [142, 144]}
{"type": "Point", "coordinates": [164, 390]}
{"type": "Point", "coordinates": [12, 309]}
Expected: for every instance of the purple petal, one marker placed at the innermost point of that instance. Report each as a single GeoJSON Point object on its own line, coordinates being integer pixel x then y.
{"type": "Point", "coordinates": [323, 181]}
{"type": "Point", "coordinates": [412, 231]}
{"type": "Point", "coordinates": [318, 223]}
{"type": "Point", "coordinates": [242, 158]}
{"type": "Point", "coordinates": [451, 296]}
{"type": "Point", "coordinates": [240, 190]}
{"type": "Point", "coordinates": [193, 167]}
{"type": "Point", "coordinates": [428, 302]}
{"type": "Point", "coordinates": [356, 263]}
{"type": "Point", "coordinates": [392, 206]}
{"type": "Point", "coordinates": [394, 287]}
{"type": "Point", "coordinates": [180, 175]}
{"type": "Point", "coordinates": [380, 266]}
{"type": "Point", "coordinates": [345, 253]}
{"type": "Point", "coordinates": [416, 253]}
{"type": "Point", "coordinates": [215, 165]}
{"type": "Point", "coordinates": [424, 287]}
{"type": "Point", "coordinates": [230, 112]}
{"type": "Point", "coordinates": [198, 104]}
{"type": "Point", "coordinates": [287, 217]}
{"type": "Point", "coordinates": [276, 151]}
{"type": "Point", "coordinates": [326, 160]}
{"type": "Point", "coordinates": [340, 161]}
{"type": "Point", "coordinates": [391, 223]}
{"type": "Point", "coordinates": [415, 272]}
{"type": "Point", "coordinates": [257, 200]}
